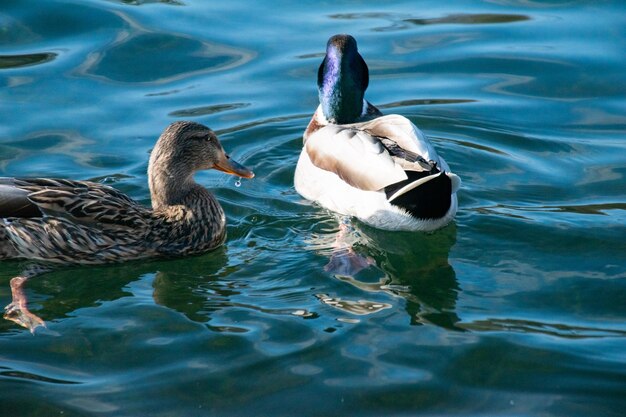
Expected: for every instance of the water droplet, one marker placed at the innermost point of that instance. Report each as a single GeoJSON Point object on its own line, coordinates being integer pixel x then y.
{"type": "Point", "coordinates": [238, 182]}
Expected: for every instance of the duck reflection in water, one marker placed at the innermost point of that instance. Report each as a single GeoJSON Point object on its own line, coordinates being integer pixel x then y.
{"type": "Point", "coordinates": [176, 284]}
{"type": "Point", "coordinates": [196, 292]}
{"type": "Point", "coordinates": [410, 265]}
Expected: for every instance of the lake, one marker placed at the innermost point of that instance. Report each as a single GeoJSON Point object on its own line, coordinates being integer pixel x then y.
{"type": "Point", "coordinates": [517, 308]}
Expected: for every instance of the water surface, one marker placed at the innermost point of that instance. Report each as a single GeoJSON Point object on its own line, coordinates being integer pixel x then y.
{"type": "Point", "coordinates": [515, 309]}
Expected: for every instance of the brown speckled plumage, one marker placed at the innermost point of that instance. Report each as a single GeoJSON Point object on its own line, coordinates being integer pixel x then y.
{"type": "Point", "coordinates": [60, 221]}
{"type": "Point", "coordinates": [89, 223]}
{"type": "Point", "coordinates": [81, 222]}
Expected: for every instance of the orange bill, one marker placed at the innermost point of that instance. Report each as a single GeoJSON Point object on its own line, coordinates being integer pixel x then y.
{"type": "Point", "coordinates": [232, 167]}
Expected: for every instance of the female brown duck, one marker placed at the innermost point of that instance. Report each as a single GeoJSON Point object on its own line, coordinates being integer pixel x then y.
{"type": "Point", "coordinates": [57, 221]}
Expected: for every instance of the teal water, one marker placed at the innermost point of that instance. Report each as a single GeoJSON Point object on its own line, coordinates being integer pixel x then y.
{"type": "Point", "coordinates": [516, 309]}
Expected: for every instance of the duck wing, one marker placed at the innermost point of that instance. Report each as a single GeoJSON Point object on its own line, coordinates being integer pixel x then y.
{"type": "Point", "coordinates": [402, 138]}
{"type": "Point", "coordinates": [82, 202]}
{"type": "Point", "coordinates": [389, 154]}
{"type": "Point", "coordinates": [373, 154]}
{"type": "Point", "coordinates": [357, 157]}
{"type": "Point", "coordinates": [426, 192]}
{"type": "Point", "coordinates": [410, 147]}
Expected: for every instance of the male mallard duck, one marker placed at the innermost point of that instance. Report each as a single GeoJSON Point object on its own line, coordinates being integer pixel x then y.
{"type": "Point", "coordinates": [357, 162]}
{"type": "Point", "coordinates": [60, 221]}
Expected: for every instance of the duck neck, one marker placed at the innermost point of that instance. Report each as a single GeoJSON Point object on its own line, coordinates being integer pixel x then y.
{"type": "Point", "coordinates": [166, 188]}
{"type": "Point", "coordinates": [340, 90]}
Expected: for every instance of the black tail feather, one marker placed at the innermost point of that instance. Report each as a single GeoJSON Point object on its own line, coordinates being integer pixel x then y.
{"type": "Point", "coordinates": [430, 200]}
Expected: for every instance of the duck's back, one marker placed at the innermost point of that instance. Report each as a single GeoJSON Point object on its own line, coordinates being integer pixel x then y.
{"type": "Point", "coordinates": [64, 221]}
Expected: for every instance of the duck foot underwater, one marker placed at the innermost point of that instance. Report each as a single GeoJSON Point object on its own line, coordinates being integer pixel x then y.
{"type": "Point", "coordinates": [344, 260]}
{"type": "Point", "coordinates": [17, 311]}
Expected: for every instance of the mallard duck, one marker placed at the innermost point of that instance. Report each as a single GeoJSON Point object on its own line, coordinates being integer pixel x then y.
{"type": "Point", "coordinates": [59, 221]}
{"type": "Point", "coordinates": [357, 162]}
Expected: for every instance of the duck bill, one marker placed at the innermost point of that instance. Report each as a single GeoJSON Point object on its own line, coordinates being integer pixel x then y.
{"type": "Point", "coordinates": [232, 167]}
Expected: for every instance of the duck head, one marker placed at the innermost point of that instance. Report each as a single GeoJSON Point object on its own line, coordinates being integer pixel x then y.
{"type": "Point", "coordinates": [182, 149]}
{"type": "Point", "coordinates": [342, 80]}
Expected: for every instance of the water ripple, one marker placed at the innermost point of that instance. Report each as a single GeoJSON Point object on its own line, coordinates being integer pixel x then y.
{"type": "Point", "coordinates": [206, 110]}
{"type": "Point", "coordinates": [10, 373]}
{"type": "Point", "coordinates": [471, 19]}
{"type": "Point", "coordinates": [142, 2]}
{"type": "Point", "coordinates": [25, 60]}
{"type": "Point", "coordinates": [550, 329]}
{"type": "Point", "coordinates": [135, 56]}
{"type": "Point", "coordinates": [141, 52]}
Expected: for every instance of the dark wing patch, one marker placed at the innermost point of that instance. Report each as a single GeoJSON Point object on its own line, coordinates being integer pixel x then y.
{"type": "Point", "coordinates": [14, 202]}
{"type": "Point", "coordinates": [399, 152]}
{"type": "Point", "coordinates": [83, 202]}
